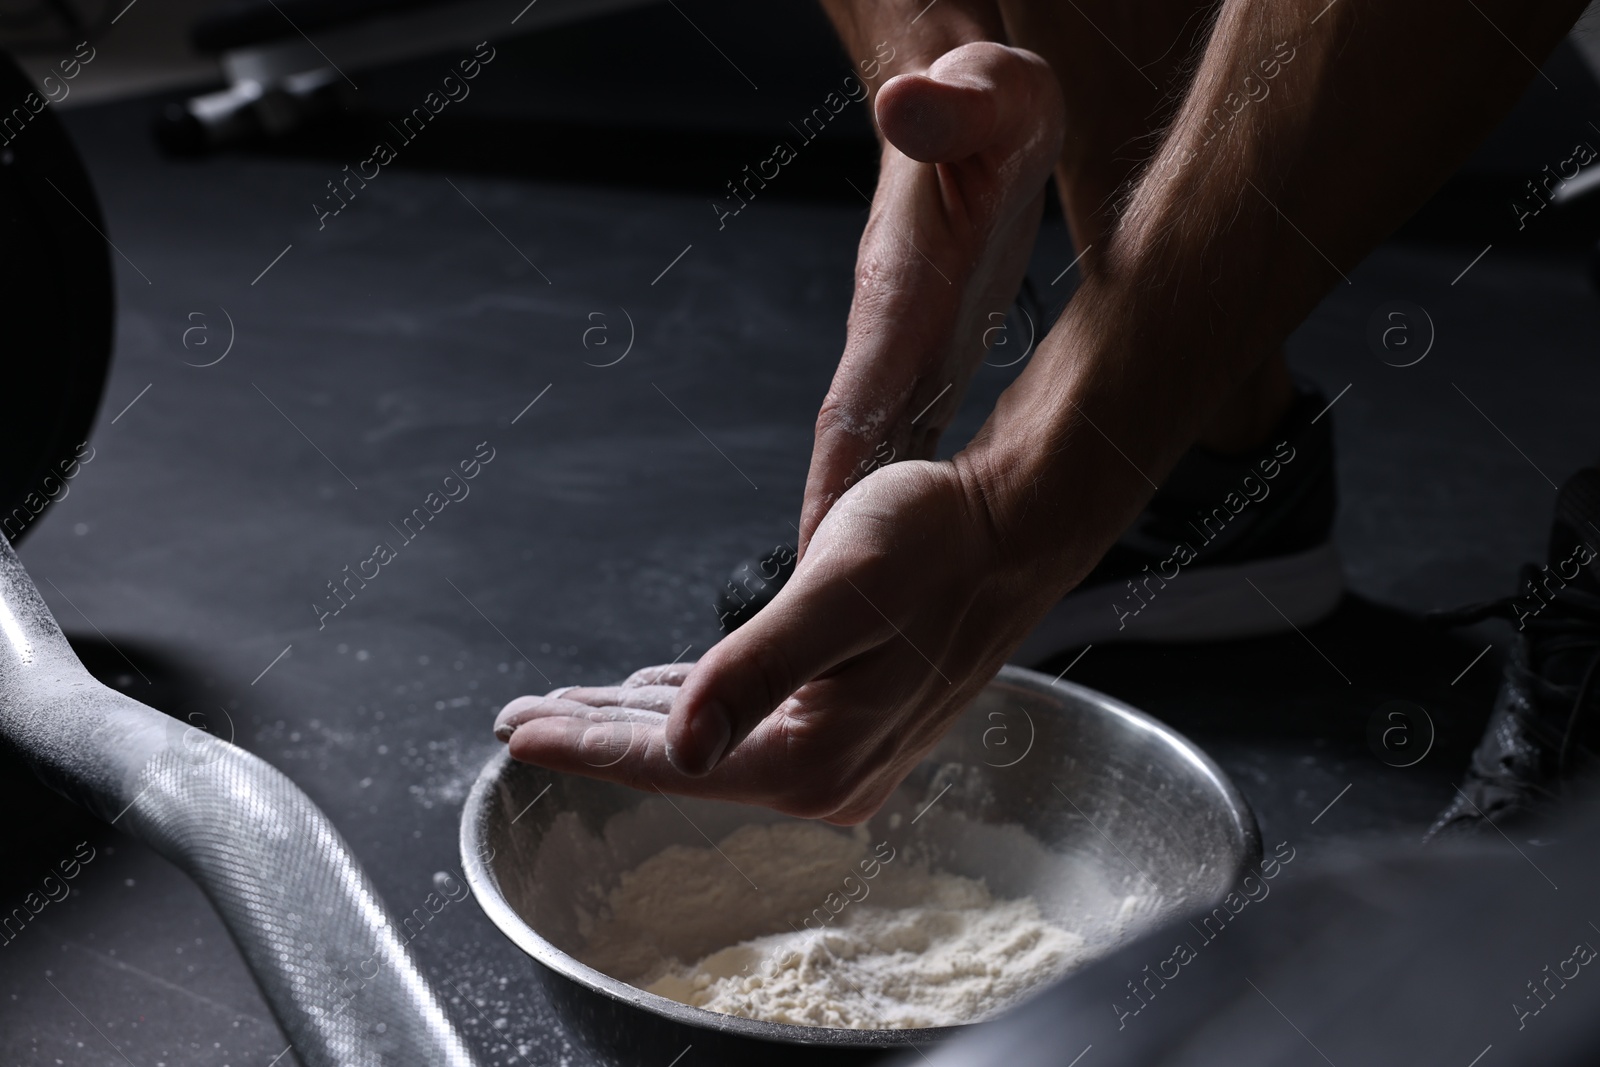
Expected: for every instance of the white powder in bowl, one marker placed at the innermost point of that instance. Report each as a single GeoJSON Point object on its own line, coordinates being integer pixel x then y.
{"type": "Point", "coordinates": [795, 923]}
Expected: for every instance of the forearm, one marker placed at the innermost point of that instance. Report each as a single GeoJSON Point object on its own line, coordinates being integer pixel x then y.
{"type": "Point", "coordinates": [1265, 192]}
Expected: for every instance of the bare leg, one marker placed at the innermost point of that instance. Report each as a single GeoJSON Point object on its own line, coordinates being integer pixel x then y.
{"type": "Point", "coordinates": [1123, 65]}
{"type": "Point", "coordinates": [912, 42]}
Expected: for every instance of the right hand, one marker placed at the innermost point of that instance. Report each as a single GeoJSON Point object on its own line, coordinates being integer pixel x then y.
{"type": "Point", "coordinates": [821, 705]}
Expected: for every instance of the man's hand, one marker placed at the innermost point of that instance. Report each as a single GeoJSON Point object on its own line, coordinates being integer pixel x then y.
{"type": "Point", "coordinates": [820, 705]}
{"type": "Point", "coordinates": [968, 149]}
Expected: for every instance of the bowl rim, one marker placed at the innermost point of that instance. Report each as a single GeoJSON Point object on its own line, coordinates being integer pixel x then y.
{"type": "Point", "coordinates": [485, 887]}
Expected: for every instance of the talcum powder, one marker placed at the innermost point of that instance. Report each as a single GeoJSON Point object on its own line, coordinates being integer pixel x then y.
{"type": "Point", "coordinates": [796, 923]}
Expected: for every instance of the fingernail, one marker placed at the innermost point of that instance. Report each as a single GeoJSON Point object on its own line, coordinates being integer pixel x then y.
{"type": "Point", "coordinates": [709, 734]}
{"type": "Point", "coordinates": [511, 716]}
{"type": "Point", "coordinates": [520, 711]}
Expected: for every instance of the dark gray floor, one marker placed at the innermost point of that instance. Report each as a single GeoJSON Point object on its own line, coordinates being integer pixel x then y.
{"type": "Point", "coordinates": [424, 319]}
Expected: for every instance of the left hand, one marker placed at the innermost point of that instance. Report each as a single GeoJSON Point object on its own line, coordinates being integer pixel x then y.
{"type": "Point", "coordinates": [901, 611]}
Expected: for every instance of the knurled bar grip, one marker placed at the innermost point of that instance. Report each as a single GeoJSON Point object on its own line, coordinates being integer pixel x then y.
{"type": "Point", "coordinates": [312, 929]}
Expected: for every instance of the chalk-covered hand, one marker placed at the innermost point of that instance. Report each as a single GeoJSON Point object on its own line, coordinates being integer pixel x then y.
{"type": "Point", "coordinates": [819, 706]}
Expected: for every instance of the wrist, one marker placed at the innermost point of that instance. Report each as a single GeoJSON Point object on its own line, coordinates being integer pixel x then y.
{"type": "Point", "coordinates": [1077, 445]}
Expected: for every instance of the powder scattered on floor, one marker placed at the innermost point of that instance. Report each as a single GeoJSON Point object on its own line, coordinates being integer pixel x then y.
{"type": "Point", "coordinates": [930, 949]}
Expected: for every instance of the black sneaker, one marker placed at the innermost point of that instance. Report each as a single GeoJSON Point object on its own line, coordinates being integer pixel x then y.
{"type": "Point", "coordinates": [1543, 738]}
{"type": "Point", "coordinates": [752, 586]}
{"type": "Point", "coordinates": [1229, 547]}
{"type": "Point", "coordinates": [1263, 518]}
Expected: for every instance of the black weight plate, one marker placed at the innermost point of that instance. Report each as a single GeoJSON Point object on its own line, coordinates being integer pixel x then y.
{"type": "Point", "coordinates": [56, 304]}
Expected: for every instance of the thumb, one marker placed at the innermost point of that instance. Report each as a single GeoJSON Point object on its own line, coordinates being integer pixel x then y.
{"type": "Point", "coordinates": [958, 108]}
{"type": "Point", "coordinates": [814, 624]}
{"type": "Point", "coordinates": [937, 118]}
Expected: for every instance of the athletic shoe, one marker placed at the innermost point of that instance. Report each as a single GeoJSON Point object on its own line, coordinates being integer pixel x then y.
{"type": "Point", "coordinates": [1230, 547]}
{"type": "Point", "coordinates": [1543, 737]}
{"type": "Point", "coordinates": [752, 586]}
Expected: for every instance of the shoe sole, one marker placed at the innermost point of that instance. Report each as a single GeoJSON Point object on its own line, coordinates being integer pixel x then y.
{"type": "Point", "coordinates": [1219, 603]}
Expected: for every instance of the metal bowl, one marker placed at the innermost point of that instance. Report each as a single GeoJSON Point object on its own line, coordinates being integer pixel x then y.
{"type": "Point", "coordinates": [1135, 823]}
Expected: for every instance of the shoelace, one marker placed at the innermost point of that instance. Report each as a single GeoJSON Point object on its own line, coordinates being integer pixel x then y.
{"type": "Point", "coordinates": [1569, 621]}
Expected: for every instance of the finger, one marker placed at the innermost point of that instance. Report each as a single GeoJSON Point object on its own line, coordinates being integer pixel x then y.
{"type": "Point", "coordinates": [938, 117]}
{"type": "Point", "coordinates": [578, 744]}
{"type": "Point", "coordinates": [958, 108]}
{"type": "Point", "coordinates": [837, 459]}
{"type": "Point", "coordinates": [666, 674]}
{"type": "Point", "coordinates": [816, 766]}
{"type": "Point", "coordinates": [634, 754]}
{"type": "Point", "coordinates": [525, 709]}
{"type": "Point", "coordinates": [652, 697]}
{"type": "Point", "coordinates": [817, 621]}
